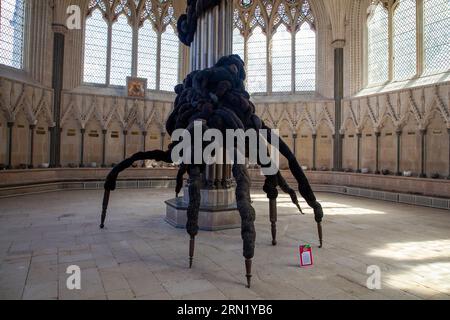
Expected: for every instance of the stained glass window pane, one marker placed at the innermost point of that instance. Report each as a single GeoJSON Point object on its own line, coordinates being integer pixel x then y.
{"type": "Point", "coordinates": [378, 53]}
{"type": "Point", "coordinates": [405, 40]}
{"type": "Point", "coordinates": [305, 59]}
{"type": "Point", "coordinates": [95, 48]}
{"type": "Point", "coordinates": [12, 20]}
{"type": "Point", "coordinates": [436, 35]}
{"type": "Point", "coordinates": [169, 59]}
{"type": "Point", "coordinates": [238, 43]}
{"type": "Point", "coordinates": [282, 60]}
{"type": "Point", "coordinates": [147, 46]}
{"type": "Point", "coordinates": [256, 69]}
{"type": "Point", "coordinates": [121, 51]}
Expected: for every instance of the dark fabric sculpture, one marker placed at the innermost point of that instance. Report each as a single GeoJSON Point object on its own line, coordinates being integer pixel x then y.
{"type": "Point", "coordinates": [216, 96]}
{"type": "Point", "coordinates": [187, 23]}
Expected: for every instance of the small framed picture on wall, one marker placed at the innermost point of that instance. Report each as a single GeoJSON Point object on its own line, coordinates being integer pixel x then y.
{"type": "Point", "coordinates": [136, 87]}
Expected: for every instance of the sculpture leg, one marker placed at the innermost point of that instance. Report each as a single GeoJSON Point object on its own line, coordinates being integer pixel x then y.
{"type": "Point", "coordinates": [193, 208]}
{"type": "Point", "coordinates": [247, 214]}
{"type": "Point", "coordinates": [111, 179]}
{"type": "Point", "coordinates": [273, 219]}
{"type": "Point", "coordinates": [270, 188]}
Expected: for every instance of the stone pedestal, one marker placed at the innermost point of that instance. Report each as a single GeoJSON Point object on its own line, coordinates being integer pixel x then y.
{"type": "Point", "coordinates": [218, 210]}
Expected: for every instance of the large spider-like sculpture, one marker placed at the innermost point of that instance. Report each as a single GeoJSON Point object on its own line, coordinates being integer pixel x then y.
{"type": "Point", "coordinates": [216, 96]}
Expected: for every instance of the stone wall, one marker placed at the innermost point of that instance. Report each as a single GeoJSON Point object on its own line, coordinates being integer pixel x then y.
{"type": "Point", "coordinates": [395, 116]}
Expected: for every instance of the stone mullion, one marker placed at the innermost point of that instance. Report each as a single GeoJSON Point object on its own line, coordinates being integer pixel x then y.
{"type": "Point", "coordinates": [158, 60]}
{"type": "Point", "coordinates": [419, 38]}
{"type": "Point", "coordinates": [108, 54]}
{"type": "Point", "coordinates": [391, 42]}
{"type": "Point", "coordinates": [134, 59]}
{"type": "Point", "coordinates": [269, 61]}
{"type": "Point", "coordinates": [293, 53]}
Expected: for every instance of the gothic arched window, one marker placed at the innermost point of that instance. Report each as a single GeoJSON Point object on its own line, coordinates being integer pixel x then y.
{"type": "Point", "coordinates": [147, 54]}
{"type": "Point", "coordinates": [436, 25]}
{"type": "Point", "coordinates": [405, 40]}
{"type": "Point", "coordinates": [125, 38]}
{"type": "Point", "coordinates": [169, 59]}
{"type": "Point", "coordinates": [256, 61]}
{"type": "Point", "coordinates": [12, 21]}
{"type": "Point", "coordinates": [95, 48]}
{"type": "Point", "coordinates": [277, 39]}
{"type": "Point", "coordinates": [378, 46]}
{"type": "Point", "coordinates": [305, 58]}
{"type": "Point", "coordinates": [121, 51]}
{"type": "Point", "coordinates": [282, 60]}
{"type": "Point", "coordinates": [238, 43]}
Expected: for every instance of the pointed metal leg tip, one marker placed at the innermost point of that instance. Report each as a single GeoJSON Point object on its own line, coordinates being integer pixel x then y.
{"type": "Point", "coordinates": [190, 263]}
{"type": "Point", "coordinates": [248, 269]}
{"type": "Point", "coordinates": [249, 281]}
{"type": "Point", "coordinates": [102, 226]}
{"type": "Point", "coordinates": [274, 242]}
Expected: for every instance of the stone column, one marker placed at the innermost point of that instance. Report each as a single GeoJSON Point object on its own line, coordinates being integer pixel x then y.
{"type": "Point", "coordinates": [83, 131]}
{"type": "Point", "coordinates": [398, 134]}
{"type": "Point", "coordinates": [448, 131]}
{"type": "Point", "coordinates": [31, 164]}
{"type": "Point", "coordinates": [144, 138]}
{"type": "Point", "coordinates": [294, 138]}
{"type": "Point", "coordinates": [423, 134]}
{"type": "Point", "coordinates": [212, 40]}
{"type": "Point", "coordinates": [338, 95]}
{"type": "Point", "coordinates": [10, 139]}
{"type": "Point", "coordinates": [314, 137]}
{"type": "Point", "coordinates": [377, 152]}
{"type": "Point", "coordinates": [104, 132]}
{"type": "Point", "coordinates": [358, 152]}
{"type": "Point", "coordinates": [57, 85]}
{"type": "Point", "coordinates": [125, 134]}
{"type": "Point", "coordinates": [163, 136]}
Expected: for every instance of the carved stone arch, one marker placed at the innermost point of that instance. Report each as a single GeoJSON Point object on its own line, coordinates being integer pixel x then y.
{"type": "Point", "coordinates": [436, 144]}
{"type": "Point", "coordinates": [324, 147]}
{"type": "Point", "coordinates": [114, 141]}
{"type": "Point", "coordinates": [388, 144]}
{"type": "Point", "coordinates": [410, 144]}
{"type": "Point", "coordinates": [93, 141]}
{"type": "Point", "coordinates": [3, 137]}
{"type": "Point", "coordinates": [41, 139]}
{"type": "Point", "coordinates": [368, 144]}
{"type": "Point", "coordinates": [44, 109]}
{"type": "Point", "coordinates": [304, 143]}
{"type": "Point", "coordinates": [286, 134]}
{"type": "Point", "coordinates": [21, 139]}
{"type": "Point", "coordinates": [70, 141]}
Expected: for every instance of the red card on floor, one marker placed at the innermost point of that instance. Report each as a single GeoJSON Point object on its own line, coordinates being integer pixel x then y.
{"type": "Point", "coordinates": [306, 258]}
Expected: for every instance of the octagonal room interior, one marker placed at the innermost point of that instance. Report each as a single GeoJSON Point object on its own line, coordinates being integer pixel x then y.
{"type": "Point", "coordinates": [357, 89]}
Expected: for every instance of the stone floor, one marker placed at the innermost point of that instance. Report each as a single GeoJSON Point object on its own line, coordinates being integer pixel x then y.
{"type": "Point", "coordinates": [139, 256]}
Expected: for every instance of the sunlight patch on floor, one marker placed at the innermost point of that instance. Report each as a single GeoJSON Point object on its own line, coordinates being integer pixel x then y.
{"type": "Point", "coordinates": [420, 250]}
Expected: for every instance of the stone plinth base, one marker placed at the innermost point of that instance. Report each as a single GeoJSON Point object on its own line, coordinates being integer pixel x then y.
{"type": "Point", "coordinates": [218, 210]}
